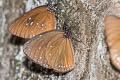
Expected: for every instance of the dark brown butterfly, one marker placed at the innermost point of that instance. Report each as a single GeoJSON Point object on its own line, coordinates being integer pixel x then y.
{"type": "Point", "coordinates": [112, 32]}
{"type": "Point", "coordinates": [34, 22]}
{"type": "Point", "coordinates": [51, 49]}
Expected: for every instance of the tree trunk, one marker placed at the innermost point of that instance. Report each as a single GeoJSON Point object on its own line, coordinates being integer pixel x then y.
{"type": "Point", "coordinates": [86, 20]}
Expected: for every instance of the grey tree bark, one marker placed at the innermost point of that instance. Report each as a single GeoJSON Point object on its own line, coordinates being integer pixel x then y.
{"type": "Point", "coordinates": [86, 19]}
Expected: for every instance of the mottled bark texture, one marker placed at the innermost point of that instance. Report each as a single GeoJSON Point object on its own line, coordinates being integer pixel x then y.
{"type": "Point", "coordinates": [86, 20]}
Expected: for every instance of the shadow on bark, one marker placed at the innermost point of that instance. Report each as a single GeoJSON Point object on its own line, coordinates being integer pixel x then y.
{"type": "Point", "coordinates": [36, 68]}
{"type": "Point", "coordinates": [15, 40]}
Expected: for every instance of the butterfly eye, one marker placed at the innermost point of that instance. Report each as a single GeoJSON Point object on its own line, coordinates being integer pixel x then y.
{"type": "Point", "coordinates": [34, 22]}
{"type": "Point", "coordinates": [112, 32]}
{"type": "Point", "coordinates": [51, 50]}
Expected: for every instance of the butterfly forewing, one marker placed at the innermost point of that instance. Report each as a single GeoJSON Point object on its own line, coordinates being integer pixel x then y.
{"type": "Point", "coordinates": [112, 32]}
{"type": "Point", "coordinates": [33, 22]}
{"type": "Point", "coordinates": [51, 49]}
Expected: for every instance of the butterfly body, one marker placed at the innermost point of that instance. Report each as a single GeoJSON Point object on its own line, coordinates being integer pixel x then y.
{"type": "Point", "coordinates": [34, 22]}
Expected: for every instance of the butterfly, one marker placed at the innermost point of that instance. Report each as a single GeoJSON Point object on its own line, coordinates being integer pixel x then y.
{"type": "Point", "coordinates": [112, 32]}
{"type": "Point", "coordinates": [52, 50]}
{"type": "Point", "coordinates": [34, 22]}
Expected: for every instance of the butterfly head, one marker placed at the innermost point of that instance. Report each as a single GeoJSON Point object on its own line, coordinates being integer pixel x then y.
{"type": "Point", "coordinates": [67, 31]}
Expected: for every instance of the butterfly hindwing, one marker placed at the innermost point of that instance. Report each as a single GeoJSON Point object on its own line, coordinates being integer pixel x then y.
{"type": "Point", "coordinates": [112, 32]}
{"type": "Point", "coordinates": [60, 54]}
{"type": "Point", "coordinates": [33, 22]}
{"type": "Point", "coordinates": [54, 50]}
{"type": "Point", "coordinates": [61, 59]}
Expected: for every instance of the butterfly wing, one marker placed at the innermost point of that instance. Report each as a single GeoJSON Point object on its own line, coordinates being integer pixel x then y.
{"type": "Point", "coordinates": [51, 49]}
{"type": "Point", "coordinates": [36, 48]}
{"type": "Point", "coordinates": [33, 22]}
{"type": "Point", "coordinates": [112, 32]}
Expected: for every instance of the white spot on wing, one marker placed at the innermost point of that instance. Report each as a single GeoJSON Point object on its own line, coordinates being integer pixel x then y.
{"type": "Point", "coordinates": [39, 47]}
{"type": "Point", "coordinates": [40, 35]}
{"type": "Point", "coordinates": [118, 59]}
{"type": "Point", "coordinates": [51, 46]}
{"type": "Point", "coordinates": [37, 23]}
{"type": "Point", "coordinates": [49, 54]}
{"type": "Point", "coordinates": [31, 23]}
{"type": "Point", "coordinates": [33, 35]}
{"type": "Point", "coordinates": [40, 57]}
{"type": "Point", "coordinates": [29, 18]}
{"type": "Point", "coordinates": [27, 24]}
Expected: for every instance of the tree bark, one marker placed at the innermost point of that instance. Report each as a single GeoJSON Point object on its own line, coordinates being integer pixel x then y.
{"type": "Point", "coordinates": [86, 20]}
